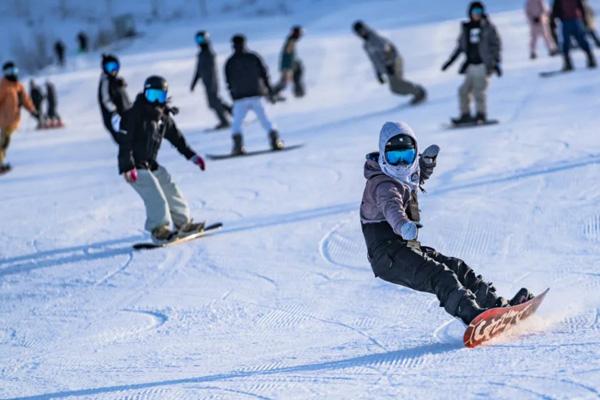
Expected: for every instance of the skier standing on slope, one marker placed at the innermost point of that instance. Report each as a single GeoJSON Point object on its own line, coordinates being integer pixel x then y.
{"type": "Point", "coordinates": [480, 42]}
{"type": "Point", "coordinates": [248, 81]}
{"type": "Point", "coordinates": [52, 117]}
{"type": "Point", "coordinates": [206, 69]}
{"type": "Point", "coordinates": [12, 97]}
{"type": "Point", "coordinates": [537, 13]}
{"type": "Point", "coordinates": [290, 65]}
{"type": "Point", "coordinates": [142, 130]}
{"type": "Point", "coordinates": [390, 219]}
{"type": "Point", "coordinates": [572, 15]}
{"type": "Point", "coordinates": [37, 98]}
{"type": "Point", "coordinates": [112, 95]}
{"type": "Point", "coordinates": [388, 63]}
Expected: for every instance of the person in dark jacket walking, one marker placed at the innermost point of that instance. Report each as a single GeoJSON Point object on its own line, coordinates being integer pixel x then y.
{"type": "Point", "coordinates": [387, 62]}
{"type": "Point", "coordinates": [112, 95]}
{"type": "Point", "coordinates": [290, 66]}
{"type": "Point", "coordinates": [572, 15]}
{"type": "Point", "coordinates": [248, 81]}
{"type": "Point", "coordinates": [52, 118]}
{"type": "Point", "coordinates": [37, 98]}
{"type": "Point", "coordinates": [142, 130]}
{"type": "Point", "coordinates": [206, 69]}
{"type": "Point", "coordinates": [59, 52]}
{"type": "Point", "coordinates": [480, 42]}
{"type": "Point", "coordinates": [390, 220]}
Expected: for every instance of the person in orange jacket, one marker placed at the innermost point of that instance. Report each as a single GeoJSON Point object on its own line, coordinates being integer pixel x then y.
{"type": "Point", "coordinates": [12, 97]}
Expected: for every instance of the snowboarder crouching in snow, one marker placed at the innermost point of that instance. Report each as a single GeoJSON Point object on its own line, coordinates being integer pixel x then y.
{"type": "Point", "coordinates": [390, 218]}
{"type": "Point", "coordinates": [388, 62]}
{"type": "Point", "coordinates": [142, 129]}
{"type": "Point", "coordinates": [480, 42]}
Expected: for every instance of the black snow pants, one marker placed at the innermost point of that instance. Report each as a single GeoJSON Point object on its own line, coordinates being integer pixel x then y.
{"type": "Point", "coordinates": [422, 268]}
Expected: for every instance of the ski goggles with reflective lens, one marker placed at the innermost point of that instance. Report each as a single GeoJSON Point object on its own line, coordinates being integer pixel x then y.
{"type": "Point", "coordinates": [111, 66]}
{"type": "Point", "coordinates": [477, 11]}
{"type": "Point", "coordinates": [200, 39]}
{"type": "Point", "coordinates": [397, 157]}
{"type": "Point", "coordinates": [11, 71]}
{"type": "Point", "coordinates": [156, 95]}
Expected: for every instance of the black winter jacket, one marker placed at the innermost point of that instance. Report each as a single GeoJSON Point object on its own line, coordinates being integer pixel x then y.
{"type": "Point", "coordinates": [206, 68]}
{"type": "Point", "coordinates": [247, 75]}
{"type": "Point", "coordinates": [142, 130]}
{"type": "Point", "coordinates": [112, 98]}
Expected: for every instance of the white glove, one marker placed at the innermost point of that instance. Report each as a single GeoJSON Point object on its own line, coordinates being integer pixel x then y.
{"type": "Point", "coordinates": [408, 231]}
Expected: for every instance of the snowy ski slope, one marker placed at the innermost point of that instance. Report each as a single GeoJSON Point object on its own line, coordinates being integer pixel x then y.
{"type": "Point", "coordinates": [282, 304]}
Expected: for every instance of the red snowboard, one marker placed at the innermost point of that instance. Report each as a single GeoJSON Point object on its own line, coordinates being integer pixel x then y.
{"type": "Point", "coordinates": [496, 321]}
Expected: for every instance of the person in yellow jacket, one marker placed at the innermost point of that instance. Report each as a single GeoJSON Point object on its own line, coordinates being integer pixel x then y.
{"type": "Point", "coordinates": [12, 97]}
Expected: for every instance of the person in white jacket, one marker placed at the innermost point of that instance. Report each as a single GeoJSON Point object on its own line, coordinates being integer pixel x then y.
{"type": "Point", "coordinates": [537, 12]}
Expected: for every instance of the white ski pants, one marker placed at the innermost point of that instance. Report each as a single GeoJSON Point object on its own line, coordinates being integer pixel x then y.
{"type": "Point", "coordinates": [162, 198]}
{"type": "Point", "coordinates": [475, 85]}
{"type": "Point", "coordinates": [241, 108]}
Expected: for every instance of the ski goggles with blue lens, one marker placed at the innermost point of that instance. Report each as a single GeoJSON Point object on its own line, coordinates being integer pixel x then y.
{"type": "Point", "coordinates": [11, 71]}
{"type": "Point", "coordinates": [397, 157]}
{"type": "Point", "coordinates": [200, 39]}
{"type": "Point", "coordinates": [156, 95]}
{"type": "Point", "coordinates": [477, 11]}
{"type": "Point", "coordinates": [111, 66]}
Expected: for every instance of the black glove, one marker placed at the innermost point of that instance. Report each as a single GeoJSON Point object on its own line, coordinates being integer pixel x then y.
{"type": "Point", "coordinates": [173, 110]}
{"type": "Point", "coordinates": [498, 70]}
{"type": "Point", "coordinates": [536, 20]}
{"type": "Point", "coordinates": [121, 82]}
{"type": "Point", "coordinates": [380, 78]}
{"type": "Point", "coordinates": [446, 65]}
{"type": "Point", "coordinates": [427, 161]}
{"type": "Point", "coordinates": [390, 69]}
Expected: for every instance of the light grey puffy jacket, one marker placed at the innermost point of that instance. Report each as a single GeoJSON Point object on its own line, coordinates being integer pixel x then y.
{"type": "Point", "coordinates": [380, 50]}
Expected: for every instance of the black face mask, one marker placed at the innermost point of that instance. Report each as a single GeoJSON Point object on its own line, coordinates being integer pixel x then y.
{"type": "Point", "coordinates": [12, 78]}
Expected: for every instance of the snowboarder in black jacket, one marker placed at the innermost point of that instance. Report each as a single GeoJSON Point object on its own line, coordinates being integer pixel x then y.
{"type": "Point", "coordinates": [248, 81]}
{"type": "Point", "coordinates": [37, 98]}
{"type": "Point", "coordinates": [142, 130]}
{"type": "Point", "coordinates": [52, 118]}
{"type": "Point", "coordinates": [206, 69]}
{"type": "Point", "coordinates": [112, 95]}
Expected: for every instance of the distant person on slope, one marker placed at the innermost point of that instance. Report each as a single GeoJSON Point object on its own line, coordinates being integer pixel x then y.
{"type": "Point", "coordinates": [572, 15]}
{"type": "Point", "coordinates": [59, 52]}
{"type": "Point", "coordinates": [52, 118]}
{"type": "Point", "coordinates": [290, 65]}
{"type": "Point", "coordinates": [112, 95]}
{"type": "Point", "coordinates": [390, 221]}
{"type": "Point", "coordinates": [537, 13]}
{"type": "Point", "coordinates": [248, 81]}
{"type": "Point", "coordinates": [142, 130]}
{"type": "Point", "coordinates": [388, 63]}
{"type": "Point", "coordinates": [12, 97]}
{"type": "Point", "coordinates": [480, 42]}
{"type": "Point", "coordinates": [37, 98]}
{"type": "Point", "coordinates": [206, 69]}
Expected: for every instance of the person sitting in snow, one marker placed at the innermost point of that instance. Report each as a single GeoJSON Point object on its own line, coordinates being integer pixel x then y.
{"type": "Point", "coordinates": [142, 130]}
{"type": "Point", "coordinates": [390, 218]}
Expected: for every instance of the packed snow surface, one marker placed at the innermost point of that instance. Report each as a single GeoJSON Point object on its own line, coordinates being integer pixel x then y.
{"type": "Point", "coordinates": [282, 304]}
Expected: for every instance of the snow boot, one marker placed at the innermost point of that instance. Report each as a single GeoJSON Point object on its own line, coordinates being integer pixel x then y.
{"type": "Point", "coordinates": [222, 125]}
{"type": "Point", "coordinates": [162, 234]}
{"type": "Point", "coordinates": [468, 309]}
{"type": "Point", "coordinates": [486, 297]}
{"type": "Point", "coordinates": [275, 141]}
{"type": "Point", "coordinates": [480, 117]}
{"type": "Point", "coordinates": [522, 296]}
{"type": "Point", "coordinates": [463, 119]}
{"type": "Point", "coordinates": [532, 55]}
{"type": "Point", "coordinates": [190, 228]}
{"type": "Point", "coordinates": [420, 96]}
{"type": "Point", "coordinates": [591, 60]}
{"type": "Point", "coordinates": [238, 145]}
{"type": "Point", "coordinates": [568, 64]}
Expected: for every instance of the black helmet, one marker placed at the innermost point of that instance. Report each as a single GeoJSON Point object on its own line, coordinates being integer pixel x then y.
{"type": "Point", "coordinates": [297, 31]}
{"type": "Point", "coordinates": [358, 26]}
{"type": "Point", "coordinates": [202, 37]}
{"type": "Point", "coordinates": [156, 82]}
{"type": "Point", "coordinates": [400, 142]}
{"type": "Point", "coordinates": [474, 5]}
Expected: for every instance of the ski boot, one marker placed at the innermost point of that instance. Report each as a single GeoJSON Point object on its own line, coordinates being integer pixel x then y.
{"type": "Point", "coordinates": [162, 234]}
{"type": "Point", "coordinates": [190, 228]}
{"type": "Point", "coordinates": [463, 119]}
{"type": "Point", "coordinates": [591, 60]}
{"type": "Point", "coordinates": [238, 145]}
{"type": "Point", "coordinates": [468, 309]}
{"type": "Point", "coordinates": [275, 140]}
{"type": "Point", "coordinates": [480, 118]}
{"type": "Point", "coordinates": [419, 97]}
{"type": "Point", "coordinates": [568, 64]}
{"type": "Point", "coordinates": [522, 296]}
{"type": "Point", "coordinates": [532, 55]}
